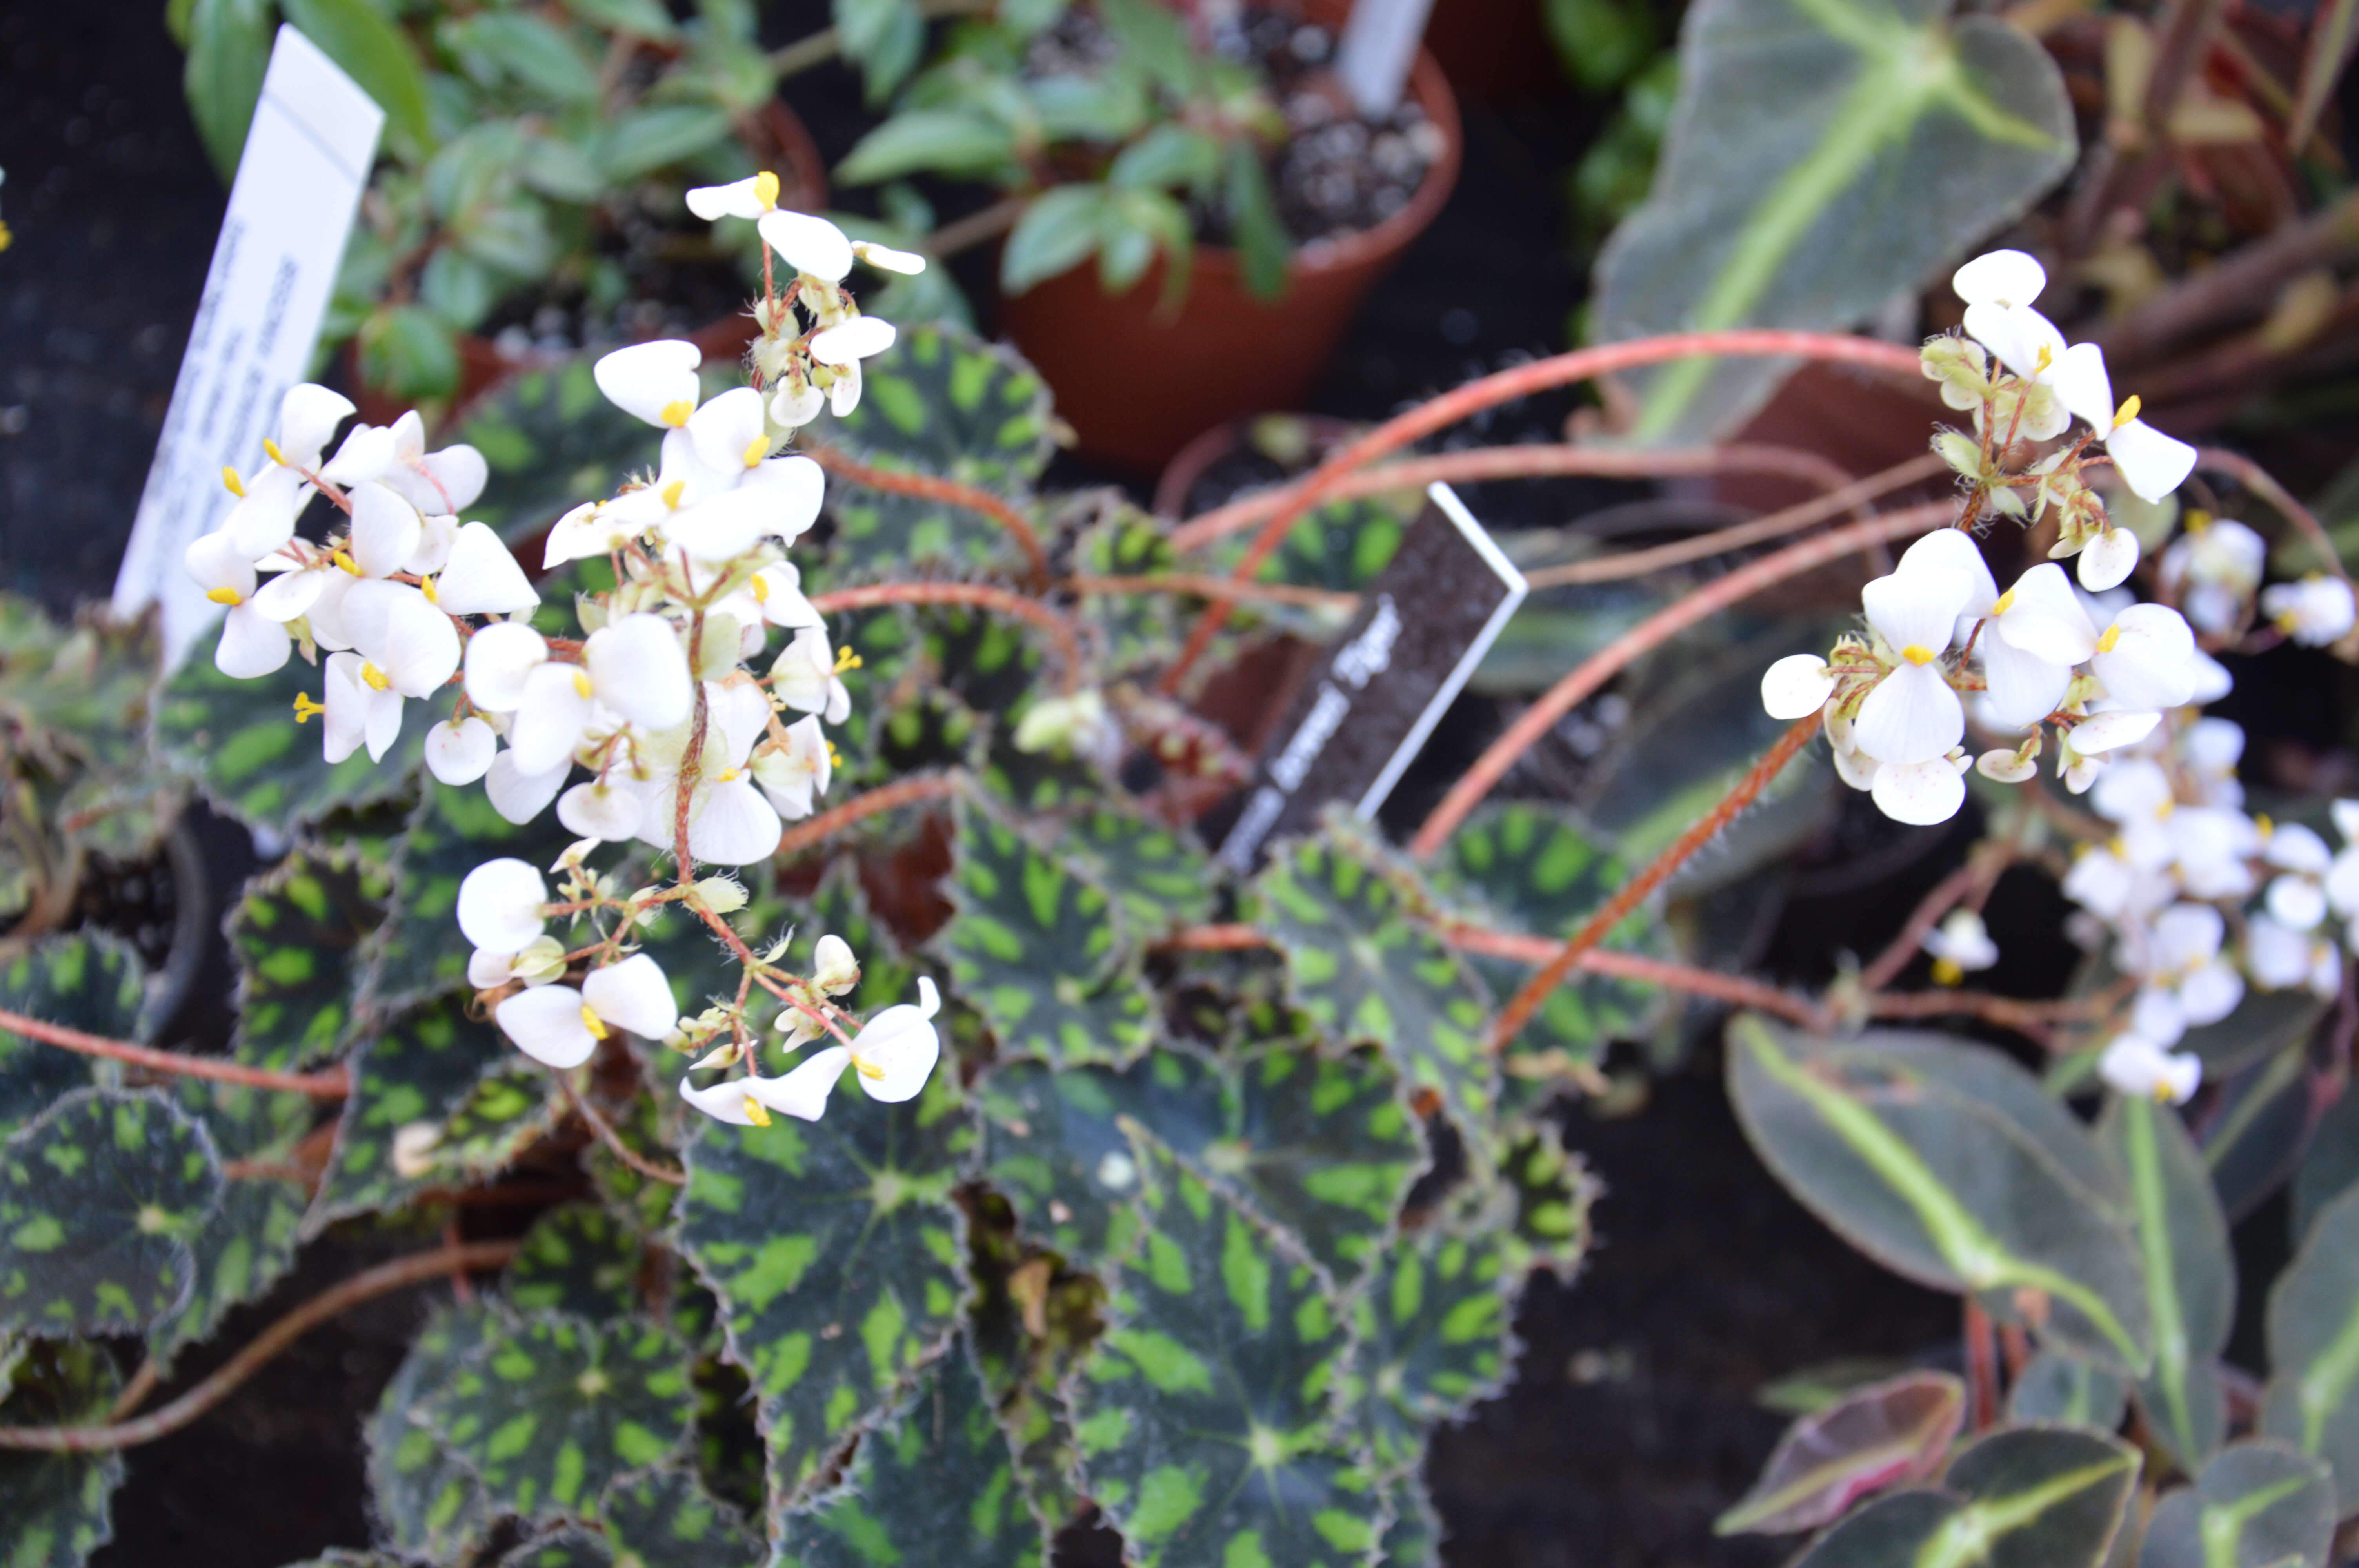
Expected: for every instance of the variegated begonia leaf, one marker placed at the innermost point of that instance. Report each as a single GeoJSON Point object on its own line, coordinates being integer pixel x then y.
{"type": "Point", "coordinates": [1413, 1538]}
{"type": "Point", "coordinates": [1032, 1324]}
{"type": "Point", "coordinates": [508, 1108]}
{"type": "Point", "coordinates": [2190, 1275]}
{"type": "Point", "coordinates": [2055, 1387]}
{"type": "Point", "coordinates": [1430, 1339]}
{"type": "Point", "coordinates": [1946, 1186]}
{"type": "Point", "coordinates": [1207, 1413]}
{"type": "Point", "coordinates": [2052, 1497]}
{"type": "Point", "coordinates": [1137, 632]}
{"type": "Point", "coordinates": [935, 1482]}
{"type": "Point", "coordinates": [1552, 1193]}
{"type": "Point", "coordinates": [1159, 875]}
{"type": "Point", "coordinates": [427, 1499]}
{"type": "Point", "coordinates": [548, 1409]}
{"type": "Point", "coordinates": [2312, 1399]}
{"type": "Point", "coordinates": [86, 980]}
{"type": "Point", "coordinates": [1037, 949]}
{"type": "Point", "coordinates": [296, 932]}
{"type": "Point", "coordinates": [1363, 969]}
{"type": "Point", "coordinates": [240, 741]}
{"type": "Point", "coordinates": [2255, 1505]}
{"type": "Point", "coordinates": [568, 1547]}
{"type": "Point", "coordinates": [248, 1241]}
{"type": "Point", "coordinates": [101, 1198]}
{"type": "Point", "coordinates": [419, 952]}
{"type": "Point", "coordinates": [414, 1072]}
{"type": "Point", "coordinates": [1885, 1434]}
{"type": "Point", "coordinates": [55, 1508]}
{"type": "Point", "coordinates": [838, 1258]}
{"type": "Point", "coordinates": [942, 401]}
{"type": "Point", "coordinates": [665, 1519]}
{"type": "Point", "coordinates": [579, 1259]}
{"type": "Point", "coordinates": [551, 441]}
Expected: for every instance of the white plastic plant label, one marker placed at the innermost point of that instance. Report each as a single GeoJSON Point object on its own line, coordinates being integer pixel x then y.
{"type": "Point", "coordinates": [1378, 46]}
{"type": "Point", "coordinates": [290, 209]}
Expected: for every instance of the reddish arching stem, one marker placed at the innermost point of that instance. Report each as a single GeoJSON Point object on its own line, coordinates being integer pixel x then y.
{"type": "Point", "coordinates": [1505, 386]}
{"type": "Point", "coordinates": [1672, 618]}
{"type": "Point", "coordinates": [614, 1140]}
{"type": "Point", "coordinates": [1527, 1001]}
{"type": "Point", "coordinates": [1982, 1365]}
{"type": "Point", "coordinates": [1947, 894]}
{"type": "Point", "coordinates": [329, 1083]}
{"type": "Point", "coordinates": [2263, 483]}
{"type": "Point", "coordinates": [1201, 585]}
{"type": "Point", "coordinates": [366, 1286]}
{"type": "Point", "coordinates": [1536, 460]}
{"type": "Point", "coordinates": [904, 792]}
{"type": "Point", "coordinates": [1060, 630]}
{"type": "Point", "coordinates": [950, 492]}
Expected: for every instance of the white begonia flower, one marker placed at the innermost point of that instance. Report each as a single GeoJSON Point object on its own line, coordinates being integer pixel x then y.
{"type": "Point", "coordinates": [360, 708]}
{"type": "Point", "coordinates": [1920, 794]}
{"type": "Point", "coordinates": [500, 904]}
{"type": "Point", "coordinates": [268, 504]}
{"type": "Point", "coordinates": [2177, 958]}
{"type": "Point", "coordinates": [1912, 715]}
{"type": "Point", "coordinates": [2279, 958]}
{"type": "Point", "coordinates": [2113, 729]}
{"type": "Point", "coordinates": [365, 455]}
{"type": "Point", "coordinates": [553, 717]}
{"type": "Point", "coordinates": [2314, 611]}
{"type": "Point", "coordinates": [795, 402]}
{"type": "Point", "coordinates": [748, 198]}
{"type": "Point", "coordinates": [2038, 632]}
{"type": "Point", "coordinates": [1853, 766]}
{"type": "Point", "coordinates": [252, 642]}
{"type": "Point", "coordinates": [861, 338]}
{"type": "Point", "coordinates": [2107, 560]}
{"type": "Point", "coordinates": [2213, 567]}
{"type": "Point", "coordinates": [518, 794]}
{"type": "Point", "coordinates": [733, 444]}
{"type": "Point", "coordinates": [2007, 766]}
{"type": "Point", "coordinates": [1954, 548]}
{"type": "Point", "coordinates": [386, 529]}
{"type": "Point", "coordinates": [481, 577]}
{"type": "Point", "coordinates": [1797, 687]}
{"type": "Point", "coordinates": [609, 813]}
{"type": "Point", "coordinates": [2151, 463]}
{"type": "Point", "coordinates": [795, 775]}
{"type": "Point", "coordinates": [561, 1027]}
{"type": "Point", "coordinates": [2212, 849]}
{"type": "Point", "coordinates": [2297, 897]}
{"type": "Point", "coordinates": [735, 826]}
{"type": "Point", "coordinates": [1959, 946]}
{"type": "Point", "coordinates": [806, 678]}
{"type": "Point", "coordinates": [438, 484]}
{"type": "Point", "coordinates": [810, 244]}
{"type": "Point", "coordinates": [460, 752]}
{"type": "Point", "coordinates": [436, 535]}
{"type": "Point", "coordinates": [307, 416]}
{"type": "Point", "coordinates": [2147, 658]}
{"type": "Point", "coordinates": [637, 667]}
{"type": "Point", "coordinates": [499, 657]}
{"type": "Point", "coordinates": [884, 258]}
{"type": "Point", "coordinates": [778, 589]}
{"type": "Point", "coordinates": [732, 1100]}
{"type": "Point", "coordinates": [588, 530]}
{"type": "Point", "coordinates": [2133, 1065]}
{"type": "Point", "coordinates": [655, 380]}
{"type": "Point", "coordinates": [894, 1055]}
{"type": "Point", "coordinates": [834, 968]}
{"type": "Point", "coordinates": [843, 391]}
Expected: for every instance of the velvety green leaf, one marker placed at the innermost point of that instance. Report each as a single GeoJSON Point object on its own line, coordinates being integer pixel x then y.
{"type": "Point", "coordinates": [2054, 1386]}
{"type": "Point", "coordinates": [942, 401]}
{"type": "Point", "coordinates": [551, 441]}
{"type": "Point", "coordinates": [248, 1242]}
{"type": "Point", "coordinates": [1061, 228]}
{"type": "Point", "coordinates": [2026, 1498]}
{"type": "Point", "coordinates": [1137, 632]}
{"type": "Point", "coordinates": [87, 981]}
{"type": "Point", "coordinates": [2190, 1275]}
{"type": "Point", "coordinates": [2329, 1163]}
{"type": "Point", "coordinates": [1553, 1192]}
{"type": "Point", "coordinates": [570, 1547]}
{"type": "Point", "coordinates": [57, 1506]}
{"type": "Point", "coordinates": [295, 933]}
{"type": "Point", "coordinates": [665, 1519]}
{"type": "Point", "coordinates": [578, 1259]}
{"type": "Point", "coordinates": [943, 141]}
{"type": "Point", "coordinates": [229, 48]}
{"type": "Point", "coordinates": [1823, 155]}
{"type": "Point", "coordinates": [2314, 1332]}
{"type": "Point", "coordinates": [934, 1483]}
{"type": "Point", "coordinates": [427, 1499]}
{"type": "Point", "coordinates": [416, 1071]}
{"type": "Point", "coordinates": [1413, 1538]}
{"type": "Point", "coordinates": [838, 1258]}
{"type": "Point", "coordinates": [239, 741]}
{"type": "Point", "coordinates": [1887, 1435]}
{"type": "Point", "coordinates": [375, 54]}
{"type": "Point", "coordinates": [548, 1411]}
{"type": "Point", "coordinates": [647, 139]}
{"type": "Point", "coordinates": [100, 1198]}
{"type": "Point", "coordinates": [1206, 1414]}
{"type": "Point", "coordinates": [533, 52]}
{"type": "Point", "coordinates": [1362, 971]}
{"type": "Point", "coordinates": [1037, 949]}
{"type": "Point", "coordinates": [1159, 875]}
{"type": "Point", "coordinates": [2257, 1505]}
{"type": "Point", "coordinates": [884, 38]}
{"type": "Point", "coordinates": [419, 952]}
{"type": "Point", "coordinates": [510, 1106]}
{"type": "Point", "coordinates": [1430, 1337]}
{"type": "Point", "coordinates": [1942, 1186]}
{"type": "Point", "coordinates": [878, 531]}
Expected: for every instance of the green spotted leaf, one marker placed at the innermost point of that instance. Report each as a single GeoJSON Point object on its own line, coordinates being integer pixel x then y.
{"type": "Point", "coordinates": [1431, 1338]}
{"type": "Point", "coordinates": [1137, 631]}
{"type": "Point", "coordinates": [419, 952]}
{"type": "Point", "coordinates": [99, 1199]}
{"type": "Point", "coordinates": [56, 1506]}
{"type": "Point", "coordinates": [838, 1258]}
{"type": "Point", "coordinates": [941, 401]}
{"type": "Point", "coordinates": [1553, 1193]}
{"type": "Point", "coordinates": [578, 1259]}
{"type": "Point", "coordinates": [2312, 1400]}
{"type": "Point", "coordinates": [239, 741]}
{"type": "Point", "coordinates": [1035, 947]}
{"type": "Point", "coordinates": [427, 1500]}
{"type": "Point", "coordinates": [248, 1242]}
{"type": "Point", "coordinates": [1362, 971]}
{"type": "Point", "coordinates": [2190, 1275]}
{"type": "Point", "coordinates": [507, 1109]}
{"type": "Point", "coordinates": [1823, 155]}
{"type": "Point", "coordinates": [296, 932]}
{"type": "Point", "coordinates": [933, 1483]}
{"type": "Point", "coordinates": [551, 441]}
{"type": "Point", "coordinates": [2054, 1386]}
{"type": "Point", "coordinates": [547, 1412]}
{"type": "Point", "coordinates": [1885, 1434]}
{"type": "Point", "coordinates": [414, 1072]}
{"type": "Point", "coordinates": [2025, 1497]}
{"type": "Point", "coordinates": [879, 532]}
{"type": "Point", "coordinates": [2256, 1504]}
{"type": "Point", "coordinates": [568, 1548]}
{"type": "Point", "coordinates": [1891, 1147]}
{"type": "Point", "coordinates": [1206, 1414]}
{"type": "Point", "coordinates": [665, 1519]}
{"type": "Point", "coordinates": [1413, 1538]}
{"type": "Point", "coordinates": [87, 981]}
{"type": "Point", "coordinates": [1159, 875]}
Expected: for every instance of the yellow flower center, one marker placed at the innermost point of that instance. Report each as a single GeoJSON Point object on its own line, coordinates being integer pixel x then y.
{"type": "Point", "coordinates": [2006, 602]}
{"type": "Point", "coordinates": [375, 677]}
{"type": "Point", "coordinates": [1917, 654]}
{"type": "Point", "coordinates": [305, 707]}
{"type": "Point", "coordinates": [765, 190]}
{"type": "Point", "coordinates": [231, 482]}
{"type": "Point", "coordinates": [592, 1023]}
{"type": "Point", "coordinates": [756, 1112]}
{"type": "Point", "coordinates": [1948, 972]}
{"type": "Point", "coordinates": [755, 450]}
{"type": "Point", "coordinates": [426, 586]}
{"type": "Point", "coordinates": [226, 596]}
{"type": "Point", "coordinates": [2161, 1092]}
{"type": "Point", "coordinates": [761, 590]}
{"type": "Point", "coordinates": [673, 492]}
{"type": "Point", "coordinates": [582, 683]}
{"type": "Point", "coordinates": [845, 659]}
{"type": "Point", "coordinates": [2127, 411]}
{"type": "Point", "coordinates": [344, 559]}
{"type": "Point", "coordinates": [2111, 638]}
{"type": "Point", "coordinates": [270, 449]}
{"type": "Point", "coordinates": [675, 413]}
{"type": "Point", "coordinates": [2047, 358]}
{"type": "Point", "coordinates": [726, 775]}
{"type": "Point", "coordinates": [866, 1068]}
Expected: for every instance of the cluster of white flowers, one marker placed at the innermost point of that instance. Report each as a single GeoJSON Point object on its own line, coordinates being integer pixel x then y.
{"type": "Point", "coordinates": [685, 748]}
{"type": "Point", "coordinates": [2116, 682]}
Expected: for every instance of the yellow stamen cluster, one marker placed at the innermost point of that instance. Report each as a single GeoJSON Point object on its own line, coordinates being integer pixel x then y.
{"type": "Point", "coordinates": [225, 596]}
{"type": "Point", "coordinates": [675, 413]}
{"type": "Point", "coordinates": [756, 1112]}
{"type": "Point", "coordinates": [592, 1023]}
{"type": "Point", "coordinates": [755, 450]}
{"type": "Point", "coordinates": [376, 677]}
{"type": "Point", "coordinates": [1917, 654]}
{"type": "Point", "coordinates": [845, 659]}
{"type": "Point", "coordinates": [866, 1068]}
{"type": "Point", "coordinates": [306, 706]}
{"type": "Point", "coordinates": [231, 482]}
{"type": "Point", "coordinates": [2111, 640]}
{"type": "Point", "coordinates": [2127, 411]}
{"type": "Point", "coordinates": [765, 190]}
{"type": "Point", "coordinates": [270, 449]}
{"type": "Point", "coordinates": [582, 683]}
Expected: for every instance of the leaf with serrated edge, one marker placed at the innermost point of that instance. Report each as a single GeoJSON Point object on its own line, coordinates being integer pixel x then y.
{"type": "Point", "coordinates": [239, 741]}
{"type": "Point", "coordinates": [1887, 1435]}
{"type": "Point", "coordinates": [578, 1259]}
{"type": "Point", "coordinates": [838, 1258]}
{"type": "Point", "coordinates": [420, 951]}
{"type": "Point", "coordinates": [56, 1506]}
{"type": "Point", "coordinates": [428, 1502]}
{"type": "Point", "coordinates": [419, 1068]}
{"type": "Point", "coordinates": [2049, 1496]}
{"type": "Point", "coordinates": [665, 1519]}
{"type": "Point", "coordinates": [2055, 1387]}
{"type": "Point", "coordinates": [2190, 1275]}
{"type": "Point", "coordinates": [1941, 1186]}
{"type": "Point", "coordinates": [2256, 1504]}
{"type": "Point", "coordinates": [551, 441]}
{"type": "Point", "coordinates": [294, 933]}
{"type": "Point", "coordinates": [1206, 1413]}
{"type": "Point", "coordinates": [249, 1240]}
{"type": "Point", "coordinates": [942, 401]}
{"type": "Point", "coordinates": [2312, 1398]}
{"type": "Point", "coordinates": [1159, 875]}
{"type": "Point", "coordinates": [87, 981]}
{"type": "Point", "coordinates": [568, 1548]}
{"type": "Point", "coordinates": [1430, 1338]}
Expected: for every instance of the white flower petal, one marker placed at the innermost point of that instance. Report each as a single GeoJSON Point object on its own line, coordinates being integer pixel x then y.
{"type": "Point", "coordinates": [2107, 560]}
{"type": "Point", "coordinates": [307, 416]}
{"type": "Point", "coordinates": [2113, 729]}
{"type": "Point", "coordinates": [728, 431]}
{"type": "Point", "coordinates": [291, 594]}
{"type": "Point", "coordinates": [1918, 609]}
{"type": "Point", "coordinates": [806, 243]}
{"type": "Point", "coordinates": [638, 669]}
{"type": "Point", "coordinates": [1796, 686]}
{"type": "Point", "coordinates": [252, 645]}
{"type": "Point", "coordinates": [500, 903]}
{"type": "Point", "coordinates": [1912, 716]}
{"type": "Point", "coordinates": [652, 381]}
{"type": "Point", "coordinates": [736, 826]}
{"type": "Point", "coordinates": [2000, 277]}
{"type": "Point", "coordinates": [791, 490]}
{"type": "Point", "coordinates": [2210, 993]}
{"type": "Point", "coordinates": [2086, 390]}
{"type": "Point", "coordinates": [386, 530]}
{"type": "Point", "coordinates": [1954, 548]}
{"type": "Point", "coordinates": [2151, 463]}
{"type": "Point", "coordinates": [420, 650]}
{"type": "Point", "coordinates": [518, 796]}
{"type": "Point", "coordinates": [586, 531]}
{"type": "Point", "coordinates": [2020, 689]}
{"type": "Point", "coordinates": [499, 657]}
{"type": "Point", "coordinates": [216, 563]}
{"type": "Point", "coordinates": [724, 1102]}
{"type": "Point", "coordinates": [263, 517]}
{"type": "Point", "coordinates": [601, 811]}
{"type": "Point", "coordinates": [461, 754]}
{"type": "Point", "coordinates": [546, 1024]}
{"type": "Point", "coordinates": [2146, 658]}
{"type": "Point", "coordinates": [884, 258]}
{"type": "Point", "coordinates": [736, 200]}
{"type": "Point", "coordinates": [802, 1093]}
{"type": "Point", "coordinates": [863, 337]}
{"type": "Point", "coordinates": [633, 995]}
{"type": "Point", "coordinates": [1920, 793]}
{"type": "Point", "coordinates": [551, 720]}
{"type": "Point", "coordinates": [481, 578]}
{"type": "Point", "coordinates": [345, 698]}
{"type": "Point", "coordinates": [2298, 901]}
{"type": "Point", "coordinates": [367, 454]}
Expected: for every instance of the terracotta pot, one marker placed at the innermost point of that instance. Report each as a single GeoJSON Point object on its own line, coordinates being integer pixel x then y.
{"type": "Point", "coordinates": [777, 138]}
{"type": "Point", "coordinates": [1136, 383]}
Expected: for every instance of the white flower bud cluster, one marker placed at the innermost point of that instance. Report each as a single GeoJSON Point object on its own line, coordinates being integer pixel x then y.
{"type": "Point", "coordinates": [680, 744]}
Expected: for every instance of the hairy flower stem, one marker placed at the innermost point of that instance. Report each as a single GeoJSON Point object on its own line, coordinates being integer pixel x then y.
{"type": "Point", "coordinates": [827, 824]}
{"type": "Point", "coordinates": [950, 492]}
{"type": "Point", "coordinates": [329, 1083]}
{"type": "Point", "coordinates": [1059, 629]}
{"type": "Point", "coordinates": [1527, 1001]}
{"type": "Point", "coordinates": [614, 1140]}
{"type": "Point", "coordinates": [367, 1285]}
{"type": "Point", "coordinates": [1592, 673]}
{"type": "Point", "coordinates": [1505, 387]}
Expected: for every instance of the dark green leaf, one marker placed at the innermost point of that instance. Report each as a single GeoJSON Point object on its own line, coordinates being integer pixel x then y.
{"type": "Point", "coordinates": [295, 932]}
{"type": "Point", "coordinates": [419, 952]}
{"type": "Point", "coordinates": [1058, 231]}
{"type": "Point", "coordinates": [56, 1506]}
{"type": "Point", "coordinates": [1886, 1435]}
{"type": "Point", "coordinates": [2257, 1505]}
{"type": "Point", "coordinates": [666, 1518]}
{"type": "Point", "coordinates": [551, 441]}
{"type": "Point", "coordinates": [1137, 631]}
{"type": "Point", "coordinates": [2029, 1498]}
{"type": "Point", "coordinates": [578, 1259]}
{"type": "Point", "coordinates": [568, 1548]}
{"type": "Point", "coordinates": [88, 980]}
{"type": "Point", "coordinates": [1159, 875]}
{"type": "Point", "coordinates": [950, 141]}
{"type": "Point", "coordinates": [414, 1072]}
{"type": "Point", "coordinates": [2190, 1275]}
{"type": "Point", "coordinates": [2055, 1387]}
{"type": "Point", "coordinates": [884, 38]}
{"type": "Point", "coordinates": [2253, 1137]}
{"type": "Point", "coordinates": [2329, 1165]}
{"type": "Point", "coordinates": [375, 55]}
{"type": "Point", "coordinates": [1552, 1193]}
{"type": "Point", "coordinates": [942, 401]}
{"type": "Point", "coordinates": [239, 740]}
{"type": "Point", "coordinates": [229, 46]}
{"type": "Point", "coordinates": [1430, 1337]}
{"type": "Point", "coordinates": [409, 352]}
{"type": "Point", "coordinates": [530, 51]}
{"type": "Point", "coordinates": [2314, 1325]}
{"type": "Point", "coordinates": [427, 1500]}
{"type": "Point", "coordinates": [645, 140]}
{"type": "Point", "coordinates": [1603, 42]}
{"type": "Point", "coordinates": [249, 1240]}
{"type": "Point", "coordinates": [1262, 243]}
